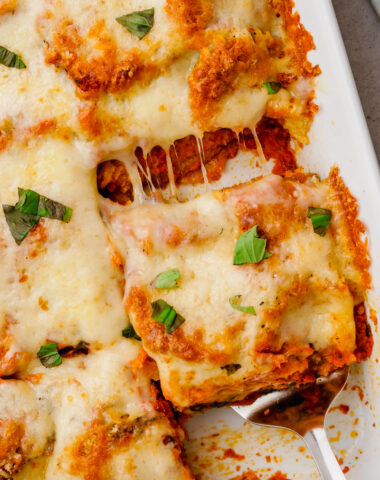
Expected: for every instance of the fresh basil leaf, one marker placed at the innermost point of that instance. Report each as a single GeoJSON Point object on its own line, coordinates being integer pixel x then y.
{"type": "Point", "coordinates": [165, 313]}
{"type": "Point", "coordinates": [19, 223]}
{"type": "Point", "coordinates": [10, 59]}
{"type": "Point", "coordinates": [231, 368]}
{"type": "Point", "coordinates": [250, 248]}
{"type": "Point", "coordinates": [320, 218]}
{"type": "Point", "coordinates": [30, 207]}
{"type": "Point", "coordinates": [234, 304]}
{"type": "Point", "coordinates": [138, 23]}
{"type": "Point", "coordinates": [49, 355]}
{"type": "Point", "coordinates": [272, 87]}
{"type": "Point", "coordinates": [28, 201]}
{"type": "Point", "coordinates": [129, 332]}
{"type": "Point", "coordinates": [167, 280]}
{"type": "Point", "coordinates": [35, 204]}
{"type": "Point", "coordinates": [179, 320]}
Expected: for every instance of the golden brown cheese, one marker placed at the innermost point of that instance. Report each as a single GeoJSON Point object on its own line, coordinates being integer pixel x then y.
{"type": "Point", "coordinates": [304, 294]}
{"type": "Point", "coordinates": [193, 16]}
{"type": "Point", "coordinates": [226, 61]}
{"type": "Point", "coordinates": [7, 6]}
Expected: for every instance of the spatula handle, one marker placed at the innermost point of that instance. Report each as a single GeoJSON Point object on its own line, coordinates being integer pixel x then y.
{"type": "Point", "coordinates": [316, 439]}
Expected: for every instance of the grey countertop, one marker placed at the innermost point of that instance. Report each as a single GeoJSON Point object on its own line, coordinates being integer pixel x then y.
{"type": "Point", "coordinates": [360, 27]}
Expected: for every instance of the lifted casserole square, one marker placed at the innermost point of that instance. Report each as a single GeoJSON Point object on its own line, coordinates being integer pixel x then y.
{"type": "Point", "coordinates": [303, 295]}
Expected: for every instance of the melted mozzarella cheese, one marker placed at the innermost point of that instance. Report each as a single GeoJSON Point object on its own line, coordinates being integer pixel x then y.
{"type": "Point", "coordinates": [244, 106]}
{"type": "Point", "coordinates": [159, 114]}
{"type": "Point", "coordinates": [242, 14]}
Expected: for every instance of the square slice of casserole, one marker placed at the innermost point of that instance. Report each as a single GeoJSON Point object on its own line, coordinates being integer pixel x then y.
{"type": "Point", "coordinates": [222, 331]}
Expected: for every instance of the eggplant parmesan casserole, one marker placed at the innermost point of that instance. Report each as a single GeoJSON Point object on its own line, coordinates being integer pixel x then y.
{"type": "Point", "coordinates": [123, 304]}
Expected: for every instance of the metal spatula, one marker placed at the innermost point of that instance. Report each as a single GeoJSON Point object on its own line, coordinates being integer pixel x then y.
{"type": "Point", "coordinates": [303, 411]}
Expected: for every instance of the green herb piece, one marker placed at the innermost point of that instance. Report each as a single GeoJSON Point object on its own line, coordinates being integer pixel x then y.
{"type": "Point", "coordinates": [167, 280]}
{"type": "Point", "coordinates": [19, 223]}
{"type": "Point", "coordinates": [33, 203]}
{"type": "Point", "coordinates": [129, 332]}
{"type": "Point", "coordinates": [250, 248]}
{"type": "Point", "coordinates": [138, 23]}
{"type": "Point", "coordinates": [272, 87]}
{"type": "Point", "coordinates": [30, 207]}
{"type": "Point", "coordinates": [234, 304]}
{"type": "Point", "coordinates": [165, 313]}
{"type": "Point", "coordinates": [320, 218]}
{"type": "Point", "coordinates": [10, 59]}
{"type": "Point", "coordinates": [49, 355]}
{"type": "Point", "coordinates": [82, 347]}
{"type": "Point", "coordinates": [231, 368]}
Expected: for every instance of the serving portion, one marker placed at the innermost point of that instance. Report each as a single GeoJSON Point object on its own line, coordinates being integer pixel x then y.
{"type": "Point", "coordinates": [120, 306]}
{"type": "Point", "coordinates": [245, 289]}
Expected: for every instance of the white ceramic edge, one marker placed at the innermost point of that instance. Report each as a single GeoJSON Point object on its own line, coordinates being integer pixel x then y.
{"type": "Point", "coordinates": [355, 99]}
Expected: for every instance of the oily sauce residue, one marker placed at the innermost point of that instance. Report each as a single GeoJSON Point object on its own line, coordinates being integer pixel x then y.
{"type": "Point", "coordinates": [230, 453]}
{"type": "Point", "coordinates": [359, 390]}
{"type": "Point", "coordinates": [250, 475]}
{"type": "Point", "coordinates": [342, 408]}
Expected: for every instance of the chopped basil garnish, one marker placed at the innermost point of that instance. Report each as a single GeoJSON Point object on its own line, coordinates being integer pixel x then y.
{"type": "Point", "coordinates": [82, 347]}
{"type": "Point", "coordinates": [49, 355]}
{"type": "Point", "coordinates": [167, 280]}
{"type": "Point", "coordinates": [320, 218]}
{"type": "Point", "coordinates": [129, 332]}
{"type": "Point", "coordinates": [250, 248]}
{"type": "Point", "coordinates": [35, 204]}
{"type": "Point", "coordinates": [165, 313]}
{"type": "Point", "coordinates": [30, 207]}
{"type": "Point", "coordinates": [19, 223]}
{"type": "Point", "coordinates": [138, 23]}
{"type": "Point", "coordinates": [10, 59]}
{"type": "Point", "coordinates": [272, 87]}
{"type": "Point", "coordinates": [234, 304]}
{"type": "Point", "coordinates": [231, 368]}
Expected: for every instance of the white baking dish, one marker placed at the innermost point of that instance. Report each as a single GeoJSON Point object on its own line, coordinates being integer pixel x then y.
{"type": "Point", "coordinates": [339, 137]}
